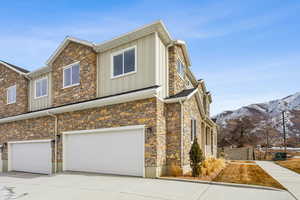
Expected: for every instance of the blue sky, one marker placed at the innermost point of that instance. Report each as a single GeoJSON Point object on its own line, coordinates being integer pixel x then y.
{"type": "Point", "coordinates": [247, 51]}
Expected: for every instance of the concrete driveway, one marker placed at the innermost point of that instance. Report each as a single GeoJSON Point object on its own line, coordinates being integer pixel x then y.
{"type": "Point", "coordinates": [75, 186]}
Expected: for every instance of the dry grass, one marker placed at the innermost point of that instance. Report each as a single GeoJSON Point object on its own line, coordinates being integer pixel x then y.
{"type": "Point", "coordinates": [247, 174]}
{"type": "Point", "coordinates": [175, 170]}
{"type": "Point", "coordinates": [211, 166]}
{"type": "Point", "coordinates": [292, 164]}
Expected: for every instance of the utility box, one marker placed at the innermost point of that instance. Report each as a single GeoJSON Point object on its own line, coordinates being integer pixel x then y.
{"type": "Point", "coordinates": [280, 156]}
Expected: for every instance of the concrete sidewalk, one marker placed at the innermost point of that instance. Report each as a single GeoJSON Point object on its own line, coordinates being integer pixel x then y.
{"type": "Point", "coordinates": [289, 179]}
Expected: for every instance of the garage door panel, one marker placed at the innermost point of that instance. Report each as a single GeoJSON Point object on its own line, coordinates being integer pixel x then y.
{"type": "Point", "coordinates": [32, 157]}
{"type": "Point", "coordinates": [110, 152]}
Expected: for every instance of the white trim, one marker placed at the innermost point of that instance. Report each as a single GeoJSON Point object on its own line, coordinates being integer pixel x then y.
{"type": "Point", "coordinates": [173, 100]}
{"type": "Point", "coordinates": [29, 141]}
{"type": "Point", "coordinates": [97, 75]}
{"type": "Point", "coordinates": [192, 94]}
{"type": "Point", "coordinates": [157, 26]}
{"type": "Point", "coordinates": [12, 68]}
{"type": "Point", "coordinates": [35, 82]}
{"type": "Point", "coordinates": [101, 130]}
{"type": "Point", "coordinates": [38, 72]}
{"type": "Point", "coordinates": [143, 94]}
{"type": "Point", "coordinates": [185, 50]}
{"type": "Point", "coordinates": [122, 51]}
{"type": "Point", "coordinates": [120, 128]}
{"type": "Point", "coordinates": [70, 66]}
{"type": "Point", "coordinates": [156, 56]}
{"type": "Point", "coordinates": [7, 98]}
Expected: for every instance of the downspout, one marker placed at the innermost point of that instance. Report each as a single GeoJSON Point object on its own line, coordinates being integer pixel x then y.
{"type": "Point", "coordinates": [182, 134]}
{"type": "Point", "coordinates": [55, 140]}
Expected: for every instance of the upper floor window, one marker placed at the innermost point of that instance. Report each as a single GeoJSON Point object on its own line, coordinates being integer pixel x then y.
{"type": "Point", "coordinates": [124, 62]}
{"type": "Point", "coordinates": [180, 68]}
{"type": "Point", "coordinates": [189, 84]}
{"type": "Point", "coordinates": [12, 94]}
{"type": "Point", "coordinates": [71, 75]}
{"type": "Point", "coordinates": [193, 129]}
{"type": "Point", "coordinates": [41, 87]}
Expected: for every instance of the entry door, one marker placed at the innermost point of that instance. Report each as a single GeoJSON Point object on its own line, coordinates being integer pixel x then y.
{"type": "Point", "coordinates": [31, 156]}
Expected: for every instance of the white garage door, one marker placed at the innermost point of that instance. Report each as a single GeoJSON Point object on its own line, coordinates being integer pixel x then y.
{"type": "Point", "coordinates": [30, 156]}
{"type": "Point", "coordinates": [111, 151]}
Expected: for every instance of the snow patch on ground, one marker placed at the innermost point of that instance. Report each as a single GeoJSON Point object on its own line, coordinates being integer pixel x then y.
{"type": "Point", "coordinates": [7, 193]}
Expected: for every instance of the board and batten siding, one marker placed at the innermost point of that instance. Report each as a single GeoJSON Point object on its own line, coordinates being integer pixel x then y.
{"type": "Point", "coordinates": [161, 67]}
{"type": "Point", "coordinates": [42, 102]}
{"type": "Point", "coordinates": [144, 77]}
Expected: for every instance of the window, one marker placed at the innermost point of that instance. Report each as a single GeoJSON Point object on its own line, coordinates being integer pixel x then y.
{"type": "Point", "coordinates": [124, 62]}
{"type": "Point", "coordinates": [212, 142]}
{"type": "Point", "coordinates": [207, 136]}
{"type": "Point", "coordinates": [72, 75]}
{"type": "Point", "coordinates": [193, 129]}
{"type": "Point", "coordinates": [189, 84]}
{"type": "Point", "coordinates": [11, 94]}
{"type": "Point", "coordinates": [41, 87]}
{"type": "Point", "coordinates": [180, 68]}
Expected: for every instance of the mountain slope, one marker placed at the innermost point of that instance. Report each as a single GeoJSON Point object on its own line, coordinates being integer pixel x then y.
{"type": "Point", "coordinates": [269, 113]}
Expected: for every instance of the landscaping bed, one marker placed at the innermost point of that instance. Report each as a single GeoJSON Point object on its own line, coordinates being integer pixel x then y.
{"type": "Point", "coordinates": [292, 164]}
{"type": "Point", "coordinates": [246, 174]}
{"type": "Point", "coordinates": [237, 172]}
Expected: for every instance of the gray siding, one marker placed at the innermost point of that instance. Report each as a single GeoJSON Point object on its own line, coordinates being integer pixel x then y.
{"type": "Point", "coordinates": [144, 77]}
{"type": "Point", "coordinates": [43, 102]}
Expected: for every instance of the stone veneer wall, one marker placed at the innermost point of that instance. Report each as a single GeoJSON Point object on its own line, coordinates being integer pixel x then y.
{"type": "Point", "coordinates": [9, 78]}
{"type": "Point", "coordinates": [176, 83]}
{"type": "Point", "coordinates": [173, 137]}
{"type": "Point", "coordinates": [141, 112]}
{"type": "Point", "coordinates": [191, 111]}
{"type": "Point", "coordinates": [30, 129]}
{"type": "Point", "coordinates": [88, 75]}
{"type": "Point", "coordinates": [161, 136]}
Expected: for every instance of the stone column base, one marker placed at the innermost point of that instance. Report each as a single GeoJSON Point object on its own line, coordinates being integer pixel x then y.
{"type": "Point", "coordinates": [154, 172]}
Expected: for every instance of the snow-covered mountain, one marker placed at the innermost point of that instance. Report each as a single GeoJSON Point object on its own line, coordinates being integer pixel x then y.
{"type": "Point", "coordinates": [267, 113]}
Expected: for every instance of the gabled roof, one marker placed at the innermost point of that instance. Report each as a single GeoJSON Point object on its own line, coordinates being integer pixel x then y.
{"type": "Point", "coordinates": [15, 68]}
{"type": "Point", "coordinates": [185, 50]}
{"type": "Point", "coordinates": [183, 93]}
{"type": "Point", "coordinates": [64, 43]}
{"type": "Point", "coordinates": [156, 27]}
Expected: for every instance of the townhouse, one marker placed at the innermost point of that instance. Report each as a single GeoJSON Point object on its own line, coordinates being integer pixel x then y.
{"type": "Point", "coordinates": [128, 106]}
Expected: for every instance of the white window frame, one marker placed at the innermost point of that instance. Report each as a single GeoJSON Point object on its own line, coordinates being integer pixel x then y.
{"type": "Point", "coordinates": [7, 98]}
{"type": "Point", "coordinates": [122, 52]}
{"type": "Point", "coordinates": [68, 67]}
{"type": "Point", "coordinates": [35, 82]}
{"type": "Point", "coordinates": [193, 129]}
{"type": "Point", "coordinates": [182, 77]}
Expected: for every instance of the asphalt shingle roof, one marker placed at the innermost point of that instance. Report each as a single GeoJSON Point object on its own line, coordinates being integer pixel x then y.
{"type": "Point", "coordinates": [183, 93]}
{"type": "Point", "coordinates": [16, 67]}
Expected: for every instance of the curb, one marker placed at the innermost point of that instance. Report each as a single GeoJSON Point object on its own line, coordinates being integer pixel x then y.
{"type": "Point", "coordinates": [222, 183]}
